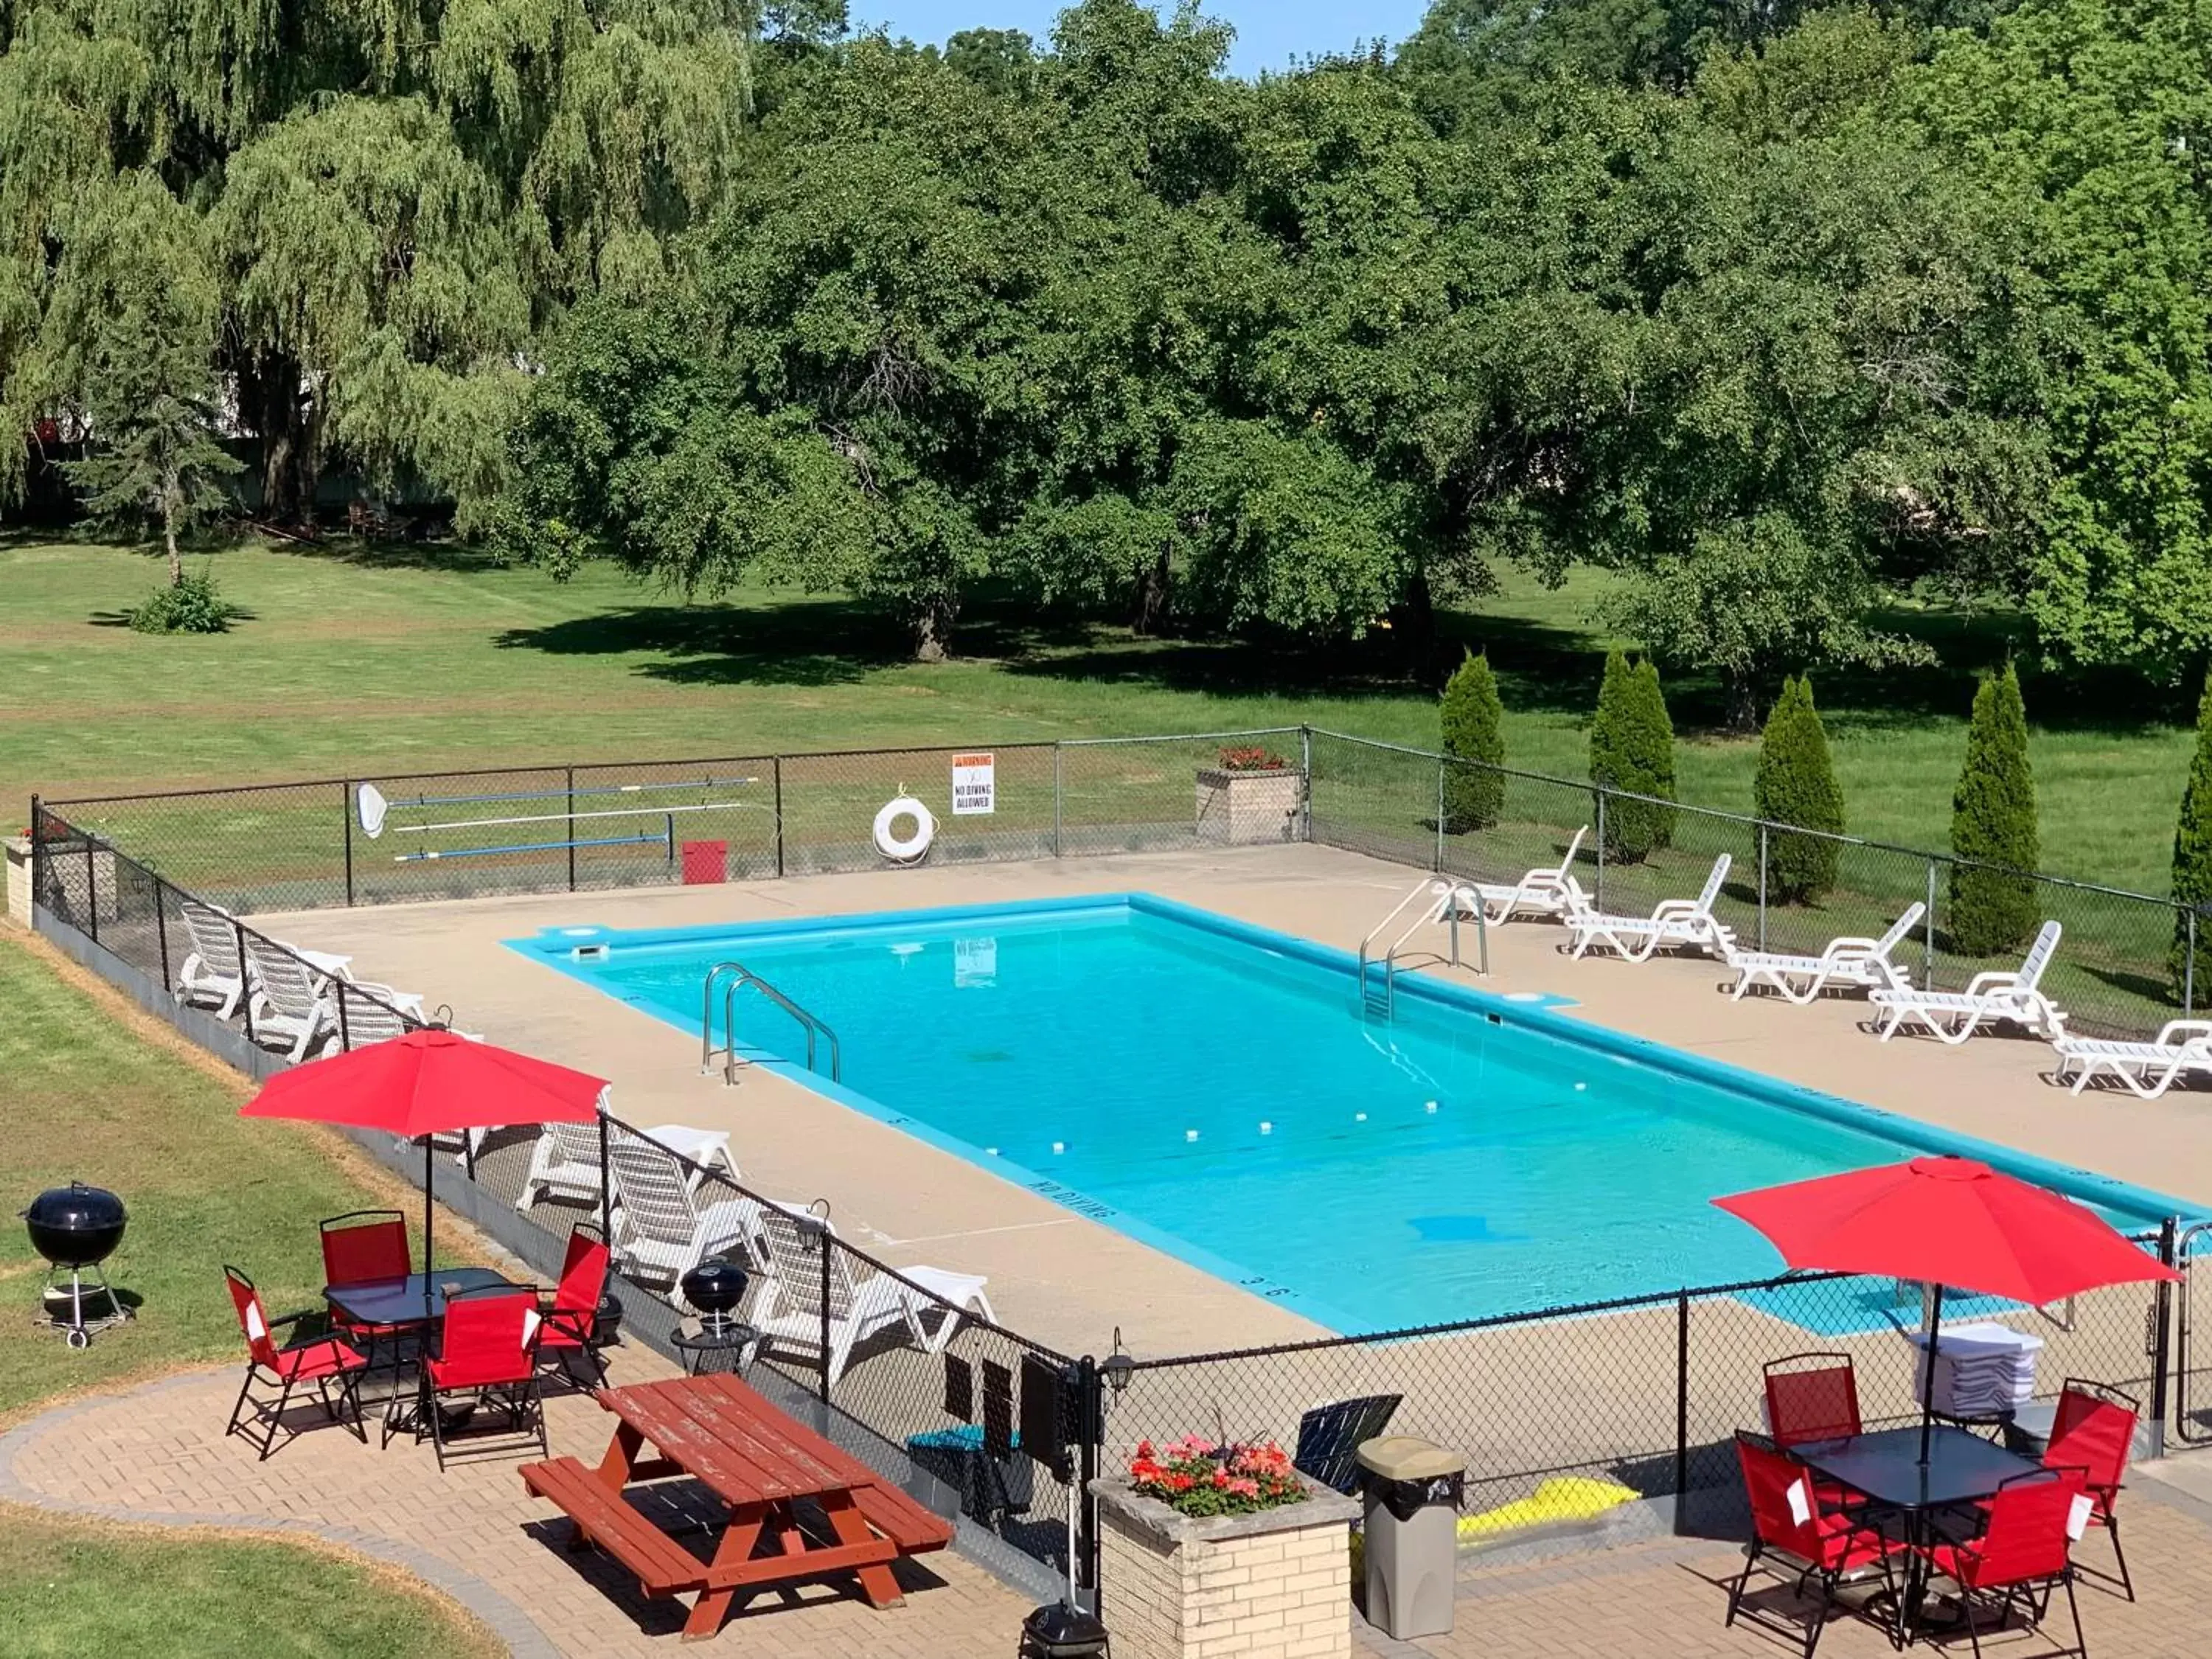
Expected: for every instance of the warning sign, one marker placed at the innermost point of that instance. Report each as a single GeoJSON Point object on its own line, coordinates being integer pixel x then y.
{"type": "Point", "coordinates": [975, 785]}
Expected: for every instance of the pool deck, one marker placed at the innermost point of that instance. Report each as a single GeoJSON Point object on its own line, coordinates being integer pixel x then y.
{"type": "Point", "coordinates": [1069, 1280]}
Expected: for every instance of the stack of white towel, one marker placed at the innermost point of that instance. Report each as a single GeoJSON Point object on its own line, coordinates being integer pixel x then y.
{"type": "Point", "coordinates": [1983, 1369]}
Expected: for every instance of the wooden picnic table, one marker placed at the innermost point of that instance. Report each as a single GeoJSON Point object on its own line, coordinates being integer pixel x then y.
{"type": "Point", "coordinates": [758, 1462]}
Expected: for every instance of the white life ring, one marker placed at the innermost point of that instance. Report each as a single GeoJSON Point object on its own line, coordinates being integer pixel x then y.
{"type": "Point", "coordinates": [904, 849]}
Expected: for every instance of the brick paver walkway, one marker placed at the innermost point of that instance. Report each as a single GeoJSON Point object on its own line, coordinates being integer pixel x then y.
{"type": "Point", "coordinates": [158, 1454]}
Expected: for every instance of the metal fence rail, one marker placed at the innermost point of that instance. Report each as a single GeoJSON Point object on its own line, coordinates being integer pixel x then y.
{"type": "Point", "coordinates": [2128, 964]}
{"type": "Point", "coordinates": [1644, 1392]}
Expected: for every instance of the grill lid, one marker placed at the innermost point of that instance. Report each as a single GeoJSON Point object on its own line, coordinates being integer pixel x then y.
{"type": "Point", "coordinates": [76, 1208]}
{"type": "Point", "coordinates": [715, 1287]}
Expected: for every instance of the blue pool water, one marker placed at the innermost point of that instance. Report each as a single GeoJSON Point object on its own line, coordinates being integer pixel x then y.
{"type": "Point", "coordinates": [1213, 1088]}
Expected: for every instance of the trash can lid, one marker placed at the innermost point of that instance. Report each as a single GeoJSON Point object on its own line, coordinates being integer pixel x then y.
{"type": "Point", "coordinates": [1407, 1457]}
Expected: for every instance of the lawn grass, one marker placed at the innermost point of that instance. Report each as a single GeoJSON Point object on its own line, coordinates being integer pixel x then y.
{"type": "Point", "coordinates": [68, 1590]}
{"type": "Point", "coordinates": [128, 1107]}
{"type": "Point", "coordinates": [92, 1090]}
{"type": "Point", "coordinates": [365, 661]}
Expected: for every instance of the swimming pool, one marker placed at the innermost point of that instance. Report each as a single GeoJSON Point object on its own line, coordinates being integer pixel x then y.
{"type": "Point", "coordinates": [1213, 1089]}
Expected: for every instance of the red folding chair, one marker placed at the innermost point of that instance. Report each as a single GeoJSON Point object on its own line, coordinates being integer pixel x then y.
{"type": "Point", "coordinates": [316, 1359]}
{"type": "Point", "coordinates": [365, 1244]}
{"type": "Point", "coordinates": [1788, 1521]}
{"type": "Point", "coordinates": [572, 1314]}
{"type": "Point", "coordinates": [2024, 1547]}
{"type": "Point", "coordinates": [1815, 1397]}
{"type": "Point", "coordinates": [1812, 1396]}
{"type": "Point", "coordinates": [2095, 1431]}
{"type": "Point", "coordinates": [487, 1348]}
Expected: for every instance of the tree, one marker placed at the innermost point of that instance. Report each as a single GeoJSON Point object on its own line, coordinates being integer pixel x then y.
{"type": "Point", "coordinates": [2083, 122]}
{"type": "Point", "coordinates": [136, 299]}
{"type": "Point", "coordinates": [1993, 826]}
{"type": "Point", "coordinates": [1473, 720]}
{"type": "Point", "coordinates": [396, 200]}
{"type": "Point", "coordinates": [2192, 959]}
{"type": "Point", "coordinates": [1795, 784]}
{"type": "Point", "coordinates": [1632, 751]}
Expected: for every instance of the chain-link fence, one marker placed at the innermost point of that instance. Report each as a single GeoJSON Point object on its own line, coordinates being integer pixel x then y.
{"type": "Point", "coordinates": [1645, 1393]}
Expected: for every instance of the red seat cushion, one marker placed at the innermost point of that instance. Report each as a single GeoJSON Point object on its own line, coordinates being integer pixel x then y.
{"type": "Point", "coordinates": [310, 1362]}
{"type": "Point", "coordinates": [471, 1371]}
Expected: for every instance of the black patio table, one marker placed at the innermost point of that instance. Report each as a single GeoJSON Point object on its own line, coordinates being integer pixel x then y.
{"type": "Point", "coordinates": [418, 1299]}
{"type": "Point", "coordinates": [1885, 1468]}
{"type": "Point", "coordinates": [414, 1303]}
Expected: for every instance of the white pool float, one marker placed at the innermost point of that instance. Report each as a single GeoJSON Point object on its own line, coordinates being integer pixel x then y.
{"type": "Point", "coordinates": [909, 848]}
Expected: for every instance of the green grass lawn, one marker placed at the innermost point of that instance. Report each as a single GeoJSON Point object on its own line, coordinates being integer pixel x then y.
{"type": "Point", "coordinates": [89, 1096]}
{"type": "Point", "coordinates": [369, 661]}
{"type": "Point", "coordinates": [68, 1590]}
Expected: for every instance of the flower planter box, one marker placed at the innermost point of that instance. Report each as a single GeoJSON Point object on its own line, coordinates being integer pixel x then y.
{"type": "Point", "coordinates": [1275, 1584]}
{"type": "Point", "coordinates": [1238, 809]}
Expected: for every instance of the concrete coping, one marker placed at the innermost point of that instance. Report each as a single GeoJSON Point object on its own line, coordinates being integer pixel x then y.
{"type": "Point", "coordinates": [1169, 1528]}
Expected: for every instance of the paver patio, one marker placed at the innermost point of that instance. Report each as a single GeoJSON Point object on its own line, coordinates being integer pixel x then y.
{"type": "Point", "coordinates": [157, 1453]}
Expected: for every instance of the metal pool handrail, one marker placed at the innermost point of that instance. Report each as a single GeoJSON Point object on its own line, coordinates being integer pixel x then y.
{"type": "Point", "coordinates": [739, 977]}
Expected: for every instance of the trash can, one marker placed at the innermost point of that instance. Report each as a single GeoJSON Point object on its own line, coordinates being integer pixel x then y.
{"type": "Point", "coordinates": [1411, 1489]}
{"type": "Point", "coordinates": [706, 862]}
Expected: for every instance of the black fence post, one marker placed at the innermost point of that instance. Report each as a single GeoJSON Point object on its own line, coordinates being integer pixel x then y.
{"type": "Point", "coordinates": [1681, 1404]}
{"type": "Point", "coordinates": [161, 929]}
{"type": "Point", "coordinates": [2161, 1335]}
{"type": "Point", "coordinates": [776, 762]}
{"type": "Point", "coordinates": [91, 888]}
{"type": "Point", "coordinates": [1083, 1569]}
{"type": "Point", "coordinates": [345, 819]}
{"type": "Point", "coordinates": [571, 837]}
{"type": "Point", "coordinates": [827, 1244]}
{"type": "Point", "coordinates": [1598, 897]}
{"type": "Point", "coordinates": [245, 980]}
{"type": "Point", "coordinates": [345, 1030]}
{"type": "Point", "coordinates": [38, 861]}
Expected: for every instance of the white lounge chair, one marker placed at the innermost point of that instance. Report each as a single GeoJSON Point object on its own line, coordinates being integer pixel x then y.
{"type": "Point", "coordinates": [2149, 1069]}
{"type": "Point", "coordinates": [1540, 892]}
{"type": "Point", "coordinates": [1988, 999]}
{"type": "Point", "coordinates": [565, 1162]}
{"type": "Point", "coordinates": [1860, 962]}
{"type": "Point", "coordinates": [661, 1232]}
{"type": "Point", "coordinates": [212, 976]}
{"type": "Point", "coordinates": [289, 1002]}
{"type": "Point", "coordinates": [788, 1310]}
{"type": "Point", "coordinates": [1676, 924]}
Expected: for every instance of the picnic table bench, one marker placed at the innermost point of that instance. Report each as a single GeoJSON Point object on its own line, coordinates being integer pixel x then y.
{"type": "Point", "coordinates": [759, 1463]}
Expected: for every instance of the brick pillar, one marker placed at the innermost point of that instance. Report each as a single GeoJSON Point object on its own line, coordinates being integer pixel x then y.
{"type": "Point", "coordinates": [1276, 1585]}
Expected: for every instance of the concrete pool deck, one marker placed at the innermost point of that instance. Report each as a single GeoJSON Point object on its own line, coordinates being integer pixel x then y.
{"type": "Point", "coordinates": [1071, 1281]}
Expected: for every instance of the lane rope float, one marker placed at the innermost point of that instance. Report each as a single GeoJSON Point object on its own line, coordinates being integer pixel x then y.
{"type": "Point", "coordinates": [909, 848]}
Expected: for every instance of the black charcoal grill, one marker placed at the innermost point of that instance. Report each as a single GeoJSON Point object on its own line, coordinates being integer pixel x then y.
{"type": "Point", "coordinates": [77, 1228]}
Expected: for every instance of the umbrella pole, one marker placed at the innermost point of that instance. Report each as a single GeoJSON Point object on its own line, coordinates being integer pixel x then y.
{"type": "Point", "coordinates": [429, 1218]}
{"type": "Point", "coordinates": [1935, 1325]}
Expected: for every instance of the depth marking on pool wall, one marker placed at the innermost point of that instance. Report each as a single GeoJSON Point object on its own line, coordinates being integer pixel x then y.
{"type": "Point", "coordinates": [1081, 1204]}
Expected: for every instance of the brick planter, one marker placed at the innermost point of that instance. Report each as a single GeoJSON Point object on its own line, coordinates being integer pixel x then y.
{"type": "Point", "coordinates": [1275, 1585]}
{"type": "Point", "coordinates": [1235, 809]}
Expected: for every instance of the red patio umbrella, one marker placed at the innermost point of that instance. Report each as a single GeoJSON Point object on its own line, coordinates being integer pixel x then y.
{"type": "Point", "coordinates": [1946, 1221]}
{"type": "Point", "coordinates": [434, 1082]}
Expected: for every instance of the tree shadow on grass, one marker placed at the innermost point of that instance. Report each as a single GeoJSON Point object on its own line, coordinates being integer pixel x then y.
{"type": "Point", "coordinates": [822, 642]}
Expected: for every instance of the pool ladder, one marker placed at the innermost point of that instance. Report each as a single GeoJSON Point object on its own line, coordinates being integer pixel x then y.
{"type": "Point", "coordinates": [733, 977]}
{"type": "Point", "coordinates": [1378, 992]}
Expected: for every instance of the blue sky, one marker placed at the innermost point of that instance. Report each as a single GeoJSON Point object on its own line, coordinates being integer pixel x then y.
{"type": "Point", "coordinates": [1269, 32]}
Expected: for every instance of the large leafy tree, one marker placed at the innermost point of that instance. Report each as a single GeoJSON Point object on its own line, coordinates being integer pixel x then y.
{"type": "Point", "coordinates": [2089, 121]}
{"type": "Point", "coordinates": [393, 197]}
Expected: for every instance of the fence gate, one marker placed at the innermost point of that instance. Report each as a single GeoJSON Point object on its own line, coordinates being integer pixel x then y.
{"type": "Point", "coordinates": [2192, 1337]}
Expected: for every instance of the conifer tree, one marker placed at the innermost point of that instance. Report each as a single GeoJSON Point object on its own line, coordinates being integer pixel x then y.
{"type": "Point", "coordinates": [1632, 751]}
{"type": "Point", "coordinates": [1795, 784]}
{"type": "Point", "coordinates": [1993, 825]}
{"type": "Point", "coordinates": [1473, 719]}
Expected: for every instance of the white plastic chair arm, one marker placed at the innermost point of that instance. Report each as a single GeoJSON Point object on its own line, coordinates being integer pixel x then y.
{"type": "Point", "coordinates": [2170, 1033]}
{"type": "Point", "coordinates": [1991, 984]}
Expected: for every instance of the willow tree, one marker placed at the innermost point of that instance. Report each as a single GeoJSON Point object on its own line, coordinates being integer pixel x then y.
{"type": "Point", "coordinates": [396, 199]}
